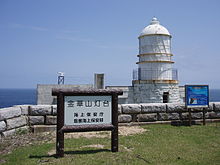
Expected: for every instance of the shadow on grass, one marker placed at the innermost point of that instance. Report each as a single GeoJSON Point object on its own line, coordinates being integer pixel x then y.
{"type": "Point", "coordinates": [184, 123]}
{"type": "Point", "coordinates": [69, 153]}
{"type": "Point", "coordinates": [87, 151]}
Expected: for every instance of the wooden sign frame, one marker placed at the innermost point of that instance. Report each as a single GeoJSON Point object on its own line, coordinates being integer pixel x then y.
{"type": "Point", "coordinates": [61, 128]}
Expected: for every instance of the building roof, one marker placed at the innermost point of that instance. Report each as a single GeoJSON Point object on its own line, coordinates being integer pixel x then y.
{"type": "Point", "coordinates": [154, 28]}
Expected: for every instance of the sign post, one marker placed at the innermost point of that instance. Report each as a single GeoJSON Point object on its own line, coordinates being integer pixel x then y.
{"type": "Point", "coordinates": [196, 96]}
{"type": "Point", "coordinates": [86, 110]}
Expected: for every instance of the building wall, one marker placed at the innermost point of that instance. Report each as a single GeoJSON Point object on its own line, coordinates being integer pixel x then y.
{"type": "Point", "coordinates": [155, 44]}
{"type": "Point", "coordinates": [122, 99]}
{"type": "Point", "coordinates": [155, 57]}
{"type": "Point", "coordinates": [148, 93]}
{"type": "Point", "coordinates": [44, 92]}
{"type": "Point", "coordinates": [155, 71]}
{"type": "Point", "coordinates": [182, 94]}
{"type": "Point", "coordinates": [153, 93]}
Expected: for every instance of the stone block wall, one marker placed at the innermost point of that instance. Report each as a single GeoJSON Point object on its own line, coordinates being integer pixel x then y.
{"type": "Point", "coordinates": [41, 118]}
{"type": "Point", "coordinates": [161, 112]}
{"type": "Point", "coordinates": [12, 120]}
{"type": "Point", "coordinates": [26, 117]}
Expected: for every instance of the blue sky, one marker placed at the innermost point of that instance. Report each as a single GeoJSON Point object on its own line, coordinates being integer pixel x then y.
{"type": "Point", "coordinates": [82, 37]}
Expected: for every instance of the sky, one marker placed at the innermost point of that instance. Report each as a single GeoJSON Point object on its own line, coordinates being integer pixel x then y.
{"type": "Point", "coordinates": [39, 38]}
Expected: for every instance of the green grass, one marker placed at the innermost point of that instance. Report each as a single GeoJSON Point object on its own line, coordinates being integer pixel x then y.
{"type": "Point", "coordinates": [160, 144]}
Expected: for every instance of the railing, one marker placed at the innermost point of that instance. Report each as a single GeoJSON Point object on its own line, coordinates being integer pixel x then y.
{"type": "Point", "coordinates": [147, 74]}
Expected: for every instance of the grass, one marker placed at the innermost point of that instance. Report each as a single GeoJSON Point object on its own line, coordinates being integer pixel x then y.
{"type": "Point", "coordinates": [160, 144]}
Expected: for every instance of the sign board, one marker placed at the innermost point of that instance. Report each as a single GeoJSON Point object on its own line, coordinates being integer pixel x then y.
{"type": "Point", "coordinates": [197, 95]}
{"type": "Point", "coordinates": [84, 110]}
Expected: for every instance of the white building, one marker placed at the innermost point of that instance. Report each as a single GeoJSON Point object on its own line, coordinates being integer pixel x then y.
{"type": "Point", "coordinates": [155, 80]}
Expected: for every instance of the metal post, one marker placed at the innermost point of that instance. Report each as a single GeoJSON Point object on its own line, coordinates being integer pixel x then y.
{"type": "Point", "coordinates": [139, 73]}
{"type": "Point", "coordinates": [190, 117]}
{"type": "Point", "coordinates": [114, 134]}
{"type": "Point", "coordinates": [60, 123]}
{"type": "Point", "coordinates": [203, 112]}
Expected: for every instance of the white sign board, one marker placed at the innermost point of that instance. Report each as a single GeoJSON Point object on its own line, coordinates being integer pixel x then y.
{"type": "Point", "coordinates": [87, 110]}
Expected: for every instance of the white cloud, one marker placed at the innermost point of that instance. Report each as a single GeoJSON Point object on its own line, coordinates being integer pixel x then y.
{"type": "Point", "coordinates": [69, 31]}
{"type": "Point", "coordinates": [21, 26]}
{"type": "Point", "coordinates": [95, 43]}
{"type": "Point", "coordinates": [74, 39]}
{"type": "Point", "coordinates": [37, 28]}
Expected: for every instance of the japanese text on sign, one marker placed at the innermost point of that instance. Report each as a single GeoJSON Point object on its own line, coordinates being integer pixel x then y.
{"type": "Point", "coordinates": [81, 110]}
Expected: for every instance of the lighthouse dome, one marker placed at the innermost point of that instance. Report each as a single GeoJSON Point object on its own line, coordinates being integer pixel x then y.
{"type": "Point", "coordinates": [154, 28]}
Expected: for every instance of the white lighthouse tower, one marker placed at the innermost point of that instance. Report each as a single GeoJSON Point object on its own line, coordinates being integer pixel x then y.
{"type": "Point", "coordinates": [155, 80]}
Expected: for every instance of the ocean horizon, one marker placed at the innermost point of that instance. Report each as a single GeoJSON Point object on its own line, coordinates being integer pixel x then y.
{"type": "Point", "coordinates": [12, 97]}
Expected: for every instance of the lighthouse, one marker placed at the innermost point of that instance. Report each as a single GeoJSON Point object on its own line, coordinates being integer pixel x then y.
{"type": "Point", "coordinates": [155, 80]}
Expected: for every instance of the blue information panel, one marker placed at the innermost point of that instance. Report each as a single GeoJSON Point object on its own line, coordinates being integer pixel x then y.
{"type": "Point", "coordinates": [197, 95]}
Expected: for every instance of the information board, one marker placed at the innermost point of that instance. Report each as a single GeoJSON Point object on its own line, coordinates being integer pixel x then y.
{"type": "Point", "coordinates": [83, 110]}
{"type": "Point", "coordinates": [197, 95]}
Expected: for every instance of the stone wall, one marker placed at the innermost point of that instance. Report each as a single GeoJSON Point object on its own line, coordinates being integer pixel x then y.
{"type": "Point", "coordinates": [13, 119]}
{"type": "Point", "coordinates": [39, 118]}
{"type": "Point", "coordinates": [160, 112]}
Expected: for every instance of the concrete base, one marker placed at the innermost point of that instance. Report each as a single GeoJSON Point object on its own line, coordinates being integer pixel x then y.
{"type": "Point", "coordinates": [153, 92]}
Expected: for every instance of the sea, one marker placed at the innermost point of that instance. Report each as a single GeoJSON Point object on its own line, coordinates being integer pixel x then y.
{"type": "Point", "coordinates": [12, 97]}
